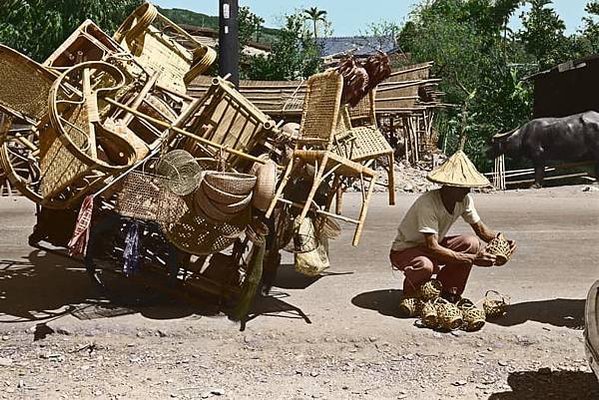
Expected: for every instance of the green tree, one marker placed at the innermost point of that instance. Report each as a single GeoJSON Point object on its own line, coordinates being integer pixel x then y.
{"type": "Point", "coordinates": [316, 16]}
{"type": "Point", "coordinates": [590, 32]}
{"type": "Point", "coordinates": [294, 54]}
{"type": "Point", "coordinates": [38, 27]}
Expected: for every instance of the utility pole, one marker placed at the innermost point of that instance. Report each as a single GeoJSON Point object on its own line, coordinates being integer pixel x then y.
{"type": "Point", "coordinates": [228, 40]}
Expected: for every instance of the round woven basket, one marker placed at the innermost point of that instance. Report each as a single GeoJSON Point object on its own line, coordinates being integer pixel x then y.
{"type": "Point", "coordinates": [410, 307]}
{"type": "Point", "coordinates": [182, 171]}
{"type": "Point", "coordinates": [230, 182]}
{"type": "Point", "coordinates": [428, 315]}
{"type": "Point", "coordinates": [449, 315]}
{"type": "Point", "coordinates": [474, 319]}
{"type": "Point", "coordinates": [430, 291]}
{"type": "Point", "coordinates": [500, 248]}
{"type": "Point", "coordinates": [266, 181]}
{"type": "Point", "coordinates": [234, 208]}
{"type": "Point", "coordinates": [495, 307]}
{"type": "Point", "coordinates": [208, 209]}
{"type": "Point", "coordinates": [218, 196]}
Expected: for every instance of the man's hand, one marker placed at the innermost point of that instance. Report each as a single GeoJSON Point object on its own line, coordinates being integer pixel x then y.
{"type": "Point", "coordinates": [484, 259]}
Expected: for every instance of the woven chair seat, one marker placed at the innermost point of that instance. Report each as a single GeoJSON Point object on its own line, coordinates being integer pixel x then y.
{"type": "Point", "coordinates": [362, 143]}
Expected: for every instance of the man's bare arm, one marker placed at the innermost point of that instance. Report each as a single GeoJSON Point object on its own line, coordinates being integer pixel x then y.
{"type": "Point", "coordinates": [483, 231]}
{"type": "Point", "coordinates": [445, 255]}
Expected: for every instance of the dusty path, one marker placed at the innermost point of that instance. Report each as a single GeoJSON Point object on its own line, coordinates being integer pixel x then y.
{"type": "Point", "coordinates": [355, 347]}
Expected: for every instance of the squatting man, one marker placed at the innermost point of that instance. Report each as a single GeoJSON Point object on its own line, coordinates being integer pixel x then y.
{"type": "Point", "coordinates": [422, 247]}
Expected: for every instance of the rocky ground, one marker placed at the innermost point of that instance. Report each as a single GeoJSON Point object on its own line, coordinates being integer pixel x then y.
{"type": "Point", "coordinates": [61, 340]}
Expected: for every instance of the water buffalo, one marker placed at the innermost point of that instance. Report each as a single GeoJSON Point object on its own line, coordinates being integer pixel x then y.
{"type": "Point", "coordinates": [573, 138]}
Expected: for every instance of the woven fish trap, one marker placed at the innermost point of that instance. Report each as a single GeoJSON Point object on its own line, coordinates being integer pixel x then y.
{"type": "Point", "coordinates": [495, 304]}
{"type": "Point", "coordinates": [428, 315]}
{"type": "Point", "coordinates": [500, 248]}
{"type": "Point", "coordinates": [182, 171]}
{"type": "Point", "coordinates": [474, 318]}
{"type": "Point", "coordinates": [449, 315]}
{"type": "Point", "coordinates": [231, 182]}
{"type": "Point", "coordinates": [430, 291]}
{"type": "Point", "coordinates": [194, 234]}
{"type": "Point", "coordinates": [410, 307]}
{"type": "Point", "coordinates": [304, 237]}
{"type": "Point", "coordinates": [144, 196]}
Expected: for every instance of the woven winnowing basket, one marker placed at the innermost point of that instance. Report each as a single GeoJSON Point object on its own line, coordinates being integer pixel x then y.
{"type": "Point", "coordinates": [145, 197]}
{"type": "Point", "coordinates": [194, 234]}
{"type": "Point", "coordinates": [182, 171]}
{"type": "Point", "coordinates": [500, 248]}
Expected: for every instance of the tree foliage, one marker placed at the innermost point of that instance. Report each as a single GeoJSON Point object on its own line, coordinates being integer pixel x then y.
{"type": "Point", "coordinates": [38, 27]}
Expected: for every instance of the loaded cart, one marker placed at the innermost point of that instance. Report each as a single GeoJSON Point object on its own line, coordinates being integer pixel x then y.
{"type": "Point", "coordinates": [188, 193]}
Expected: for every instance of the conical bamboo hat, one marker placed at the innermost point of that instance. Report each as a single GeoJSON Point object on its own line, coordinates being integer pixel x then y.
{"type": "Point", "coordinates": [458, 171]}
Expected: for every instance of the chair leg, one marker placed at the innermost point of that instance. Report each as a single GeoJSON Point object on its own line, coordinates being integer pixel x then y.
{"type": "Point", "coordinates": [363, 212]}
{"type": "Point", "coordinates": [315, 185]}
{"type": "Point", "coordinates": [281, 188]}
{"type": "Point", "coordinates": [391, 179]}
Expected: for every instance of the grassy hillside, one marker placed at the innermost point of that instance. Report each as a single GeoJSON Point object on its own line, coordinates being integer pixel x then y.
{"type": "Point", "coordinates": [180, 16]}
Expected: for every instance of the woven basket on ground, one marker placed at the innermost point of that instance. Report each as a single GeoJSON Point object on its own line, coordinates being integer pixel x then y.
{"type": "Point", "coordinates": [500, 248]}
{"type": "Point", "coordinates": [430, 291]}
{"type": "Point", "coordinates": [449, 315]}
{"type": "Point", "coordinates": [474, 319]}
{"type": "Point", "coordinates": [495, 307]}
{"type": "Point", "coordinates": [182, 171]}
{"type": "Point", "coordinates": [145, 197]}
{"type": "Point", "coordinates": [410, 307]}
{"type": "Point", "coordinates": [428, 315]}
{"type": "Point", "coordinates": [230, 182]}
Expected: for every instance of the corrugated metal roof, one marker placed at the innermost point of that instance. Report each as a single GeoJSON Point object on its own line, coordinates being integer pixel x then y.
{"type": "Point", "coordinates": [363, 45]}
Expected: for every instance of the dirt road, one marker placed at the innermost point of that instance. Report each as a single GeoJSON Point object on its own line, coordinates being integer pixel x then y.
{"type": "Point", "coordinates": [355, 346]}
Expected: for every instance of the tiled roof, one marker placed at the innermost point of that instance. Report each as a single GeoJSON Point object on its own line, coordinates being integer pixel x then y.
{"type": "Point", "coordinates": [364, 45]}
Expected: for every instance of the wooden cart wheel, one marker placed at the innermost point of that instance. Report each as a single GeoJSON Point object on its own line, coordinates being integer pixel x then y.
{"type": "Point", "coordinates": [76, 115]}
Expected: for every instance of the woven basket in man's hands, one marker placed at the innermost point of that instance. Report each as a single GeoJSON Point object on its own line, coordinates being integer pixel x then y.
{"type": "Point", "coordinates": [500, 248]}
{"type": "Point", "coordinates": [495, 308]}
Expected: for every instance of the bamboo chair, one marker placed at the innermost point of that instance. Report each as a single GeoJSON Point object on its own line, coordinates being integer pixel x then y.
{"type": "Point", "coordinates": [363, 142]}
{"type": "Point", "coordinates": [315, 145]}
{"type": "Point", "coordinates": [157, 44]}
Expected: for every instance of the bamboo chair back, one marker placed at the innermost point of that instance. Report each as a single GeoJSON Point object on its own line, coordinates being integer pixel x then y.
{"type": "Point", "coordinates": [322, 105]}
{"type": "Point", "coordinates": [155, 41]}
{"type": "Point", "coordinates": [229, 119]}
{"type": "Point", "coordinates": [24, 86]}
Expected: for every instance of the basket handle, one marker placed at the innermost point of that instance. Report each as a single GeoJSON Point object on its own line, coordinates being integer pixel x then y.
{"type": "Point", "coordinates": [505, 299]}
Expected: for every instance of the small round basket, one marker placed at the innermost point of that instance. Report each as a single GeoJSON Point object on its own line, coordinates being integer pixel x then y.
{"type": "Point", "coordinates": [266, 182]}
{"type": "Point", "coordinates": [430, 291]}
{"type": "Point", "coordinates": [449, 315]}
{"type": "Point", "coordinates": [428, 315]}
{"type": "Point", "coordinates": [500, 248]}
{"type": "Point", "coordinates": [495, 304]}
{"type": "Point", "coordinates": [474, 319]}
{"type": "Point", "coordinates": [182, 171]}
{"type": "Point", "coordinates": [410, 307]}
{"type": "Point", "coordinates": [231, 182]}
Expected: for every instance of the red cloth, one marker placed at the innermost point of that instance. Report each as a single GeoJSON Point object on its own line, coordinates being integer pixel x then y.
{"type": "Point", "coordinates": [78, 243]}
{"type": "Point", "coordinates": [418, 267]}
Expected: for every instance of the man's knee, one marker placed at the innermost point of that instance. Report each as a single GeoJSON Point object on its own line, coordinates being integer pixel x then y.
{"type": "Point", "coordinates": [423, 264]}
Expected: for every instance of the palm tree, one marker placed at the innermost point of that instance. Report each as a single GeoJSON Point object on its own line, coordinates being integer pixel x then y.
{"type": "Point", "coordinates": [315, 15]}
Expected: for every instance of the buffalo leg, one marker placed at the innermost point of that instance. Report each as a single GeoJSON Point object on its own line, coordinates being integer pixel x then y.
{"type": "Point", "coordinates": [539, 175]}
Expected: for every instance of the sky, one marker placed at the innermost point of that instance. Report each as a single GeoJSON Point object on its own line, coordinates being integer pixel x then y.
{"type": "Point", "coordinates": [351, 17]}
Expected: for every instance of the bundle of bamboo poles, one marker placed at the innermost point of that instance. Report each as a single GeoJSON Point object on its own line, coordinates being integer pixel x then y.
{"type": "Point", "coordinates": [499, 173]}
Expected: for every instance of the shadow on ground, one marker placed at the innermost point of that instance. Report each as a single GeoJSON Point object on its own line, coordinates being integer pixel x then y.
{"type": "Point", "coordinates": [567, 313]}
{"type": "Point", "coordinates": [45, 286]}
{"type": "Point", "coordinates": [548, 385]}
{"type": "Point", "coordinates": [384, 301]}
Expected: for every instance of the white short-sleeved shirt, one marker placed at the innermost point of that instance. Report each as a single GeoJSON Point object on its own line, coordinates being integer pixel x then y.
{"type": "Point", "coordinates": [429, 215]}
